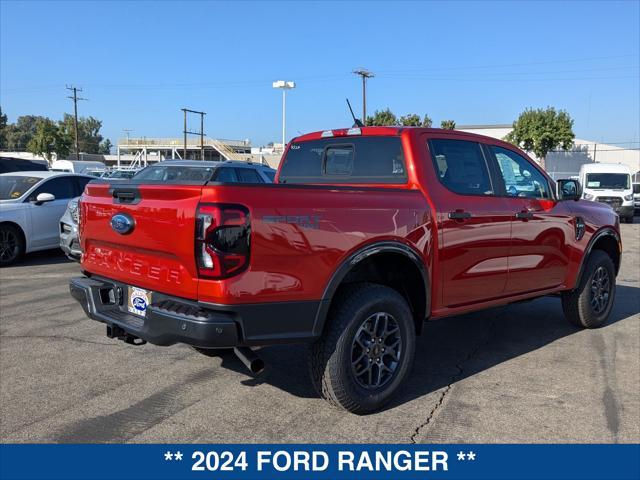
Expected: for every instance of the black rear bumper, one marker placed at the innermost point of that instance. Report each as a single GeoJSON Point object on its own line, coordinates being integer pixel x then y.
{"type": "Point", "coordinates": [171, 320]}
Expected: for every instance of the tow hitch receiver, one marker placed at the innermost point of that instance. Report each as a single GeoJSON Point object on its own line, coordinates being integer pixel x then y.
{"type": "Point", "coordinates": [114, 331]}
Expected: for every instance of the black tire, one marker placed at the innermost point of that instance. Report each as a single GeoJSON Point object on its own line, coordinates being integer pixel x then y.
{"type": "Point", "coordinates": [356, 321]}
{"type": "Point", "coordinates": [11, 244]}
{"type": "Point", "coordinates": [212, 352]}
{"type": "Point", "coordinates": [586, 306]}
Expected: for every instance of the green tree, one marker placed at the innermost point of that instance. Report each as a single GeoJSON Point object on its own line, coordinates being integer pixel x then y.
{"type": "Point", "coordinates": [426, 121]}
{"type": "Point", "coordinates": [105, 147]}
{"type": "Point", "coordinates": [89, 137]}
{"type": "Point", "coordinates": [411, 120]}
{"type": "Point", "coordinates": [448, 124]}
{"type": "Point", "coordinates": [382, 118]}
{"type": "Point", "coordinates": [542, 130]}
{"type": "Point", "coordinates": [18, 135]}
{"type": "Point", "coordinates": [48, 139]}
{"type": "Point", "coordinates": [3, 130]}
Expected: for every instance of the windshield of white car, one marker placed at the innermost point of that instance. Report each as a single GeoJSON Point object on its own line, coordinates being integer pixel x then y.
{"type": "Point", "coordinates": [609, 181]}
{"type": "Point", "coordinates": [12, 187]}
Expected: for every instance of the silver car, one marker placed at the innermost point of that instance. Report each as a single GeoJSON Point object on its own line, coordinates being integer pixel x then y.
{"type": "Point", "coordinates": [31, 204]}
{"type": "Point", "coordinates": [226, 172]}
{"type": "Point", "coordinates": [69, 240]}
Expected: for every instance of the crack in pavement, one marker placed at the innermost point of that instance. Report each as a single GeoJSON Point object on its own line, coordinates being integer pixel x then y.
{"type": "Point", "coordinates": [458, 375]}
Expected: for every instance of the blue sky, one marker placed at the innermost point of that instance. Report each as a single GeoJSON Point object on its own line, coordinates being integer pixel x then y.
{"type": "Point", "coordinates": [475, 62]}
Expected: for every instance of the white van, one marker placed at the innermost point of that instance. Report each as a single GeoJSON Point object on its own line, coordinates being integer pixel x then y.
{"type": "Point", "coordinates": [79, 166]}
{"type": "Point", "coordinates": [609, 183]}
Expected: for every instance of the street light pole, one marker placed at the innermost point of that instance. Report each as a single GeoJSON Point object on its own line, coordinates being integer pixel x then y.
{"type": "Point", "coordinates": [284, 86]}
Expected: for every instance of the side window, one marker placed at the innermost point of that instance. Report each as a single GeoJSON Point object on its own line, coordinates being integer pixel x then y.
{"type": "Point", "coordinates": [248, 175]}
{"type": "Point", "coordinates": [226, 175]}
{"type": "Point", "coordinates": [461, 167]}
{"type": "Point", "coordinates": [270, 174]}
{"type": "Point", "coordinates": [61, 188]}
{"type": "Point", "coordinates": [521, 179]}
{"type": "Point", "coordinates": [338, 160]}
{"type": "Point", "coordinates": [81, 183]}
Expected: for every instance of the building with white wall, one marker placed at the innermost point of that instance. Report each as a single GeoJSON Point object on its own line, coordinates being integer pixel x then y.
{"type": "Point", "coordinates": [561, 164]}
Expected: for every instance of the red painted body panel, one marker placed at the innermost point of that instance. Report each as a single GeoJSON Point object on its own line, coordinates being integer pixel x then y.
{"type": "Point", "coordinates": [301, 235]}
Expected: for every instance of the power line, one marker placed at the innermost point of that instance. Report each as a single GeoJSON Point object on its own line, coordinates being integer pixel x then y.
{"type": "Point", "coordinates": [75, 99]}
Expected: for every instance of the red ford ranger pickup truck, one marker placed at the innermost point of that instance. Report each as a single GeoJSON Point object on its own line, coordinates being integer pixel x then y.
{"type": "Point", "coordinates": [367, 233]}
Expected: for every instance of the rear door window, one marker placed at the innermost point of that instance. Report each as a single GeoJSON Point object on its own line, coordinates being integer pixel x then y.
{"type": "Point", "coordinates": [81, 182]}
{"type": "Point", "coordinates": [60, 187]}
{"type": "Point", "coordinates": [175, 174]}
{"type": "Point", "coordinates": [461, 166]}
{"type": "Point", "coordinates": [345, 160]}
{"type": "Point", "coordinates": [270, 174]}
{"type": "Point", "coordinates": [248, 175]}
{"type": "Point", "coordinates": [226, 175]}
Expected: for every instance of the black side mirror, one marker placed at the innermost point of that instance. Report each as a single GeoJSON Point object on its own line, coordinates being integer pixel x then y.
{"type": "Point", "coordinates": [568, 189]}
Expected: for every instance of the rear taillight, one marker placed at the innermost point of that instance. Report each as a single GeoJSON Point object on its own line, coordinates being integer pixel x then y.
{"type": "Point", "coordinates": [222, 240]}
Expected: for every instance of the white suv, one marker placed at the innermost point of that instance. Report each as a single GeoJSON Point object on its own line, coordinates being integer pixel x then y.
{"type": "Point", "coordinates": [31, 204]}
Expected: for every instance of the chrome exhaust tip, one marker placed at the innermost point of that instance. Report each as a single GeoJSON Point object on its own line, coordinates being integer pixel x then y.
{"type": "Point", "coordinates": [250, 359]}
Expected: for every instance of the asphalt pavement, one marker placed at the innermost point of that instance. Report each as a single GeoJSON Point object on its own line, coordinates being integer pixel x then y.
{"type": "Point", "coordinates": [519, 373]}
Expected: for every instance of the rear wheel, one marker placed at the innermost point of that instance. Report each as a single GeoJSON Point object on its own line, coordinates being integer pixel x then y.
{"type": "Point", "coordinates": [590, 304]}
{"type": "Point", "coordinates": [11, 244]}
{"type": "Point", "coordinates": [367, 349]}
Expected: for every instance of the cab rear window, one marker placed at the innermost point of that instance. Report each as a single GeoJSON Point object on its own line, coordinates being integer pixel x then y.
{"type": "Point", "coordinates": [345, 160]}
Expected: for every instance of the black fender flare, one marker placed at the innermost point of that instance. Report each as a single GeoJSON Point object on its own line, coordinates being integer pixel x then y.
{"type": "Point", "coordinates": [387, 246]}
{"type": "Point", "coordinates": [604, 232]}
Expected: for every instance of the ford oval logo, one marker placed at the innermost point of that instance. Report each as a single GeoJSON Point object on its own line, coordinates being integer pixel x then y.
{"type": "Point", "coordinates": [122, 223]}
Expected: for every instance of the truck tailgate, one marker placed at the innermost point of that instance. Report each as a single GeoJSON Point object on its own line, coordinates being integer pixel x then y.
{"type": "Point", "coordinates": [158, 252]}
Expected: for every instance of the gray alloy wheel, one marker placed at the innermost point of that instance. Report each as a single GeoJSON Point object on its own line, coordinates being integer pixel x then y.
{"type": "Point", "coordinates": [376, 351]}
{"type": "Point", "coordinates": [11, 245]}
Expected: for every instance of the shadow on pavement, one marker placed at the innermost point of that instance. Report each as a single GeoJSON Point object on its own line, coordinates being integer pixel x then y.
{"type": "Point", "coordinates": [44, 257]}
{"type": "Point", "coordinates": [447, 351]}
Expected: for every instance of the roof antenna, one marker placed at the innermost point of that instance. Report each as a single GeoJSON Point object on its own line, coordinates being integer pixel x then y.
{"type": "Point", "coordinates": [356, 122]}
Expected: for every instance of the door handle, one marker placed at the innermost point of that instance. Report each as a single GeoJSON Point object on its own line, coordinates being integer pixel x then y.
{"type": "Point", "coordinates": [524, 215]}
{"type": "Point", "coordinates": [459, 215]}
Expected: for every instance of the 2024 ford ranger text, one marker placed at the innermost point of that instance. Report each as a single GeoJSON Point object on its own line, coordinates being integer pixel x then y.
{"type": "Point", "coordinates": [367, 233]}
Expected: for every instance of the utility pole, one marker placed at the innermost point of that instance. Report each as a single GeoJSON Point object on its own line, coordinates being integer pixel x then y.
{"type": "Point", "coordinates": [75, 99]}
{"type": "Point", "coordinates": [127, 131]}
{"type": "Point", "coordinates": [201, 132]}
{"type": "Point", "coordinates": [364, 74]}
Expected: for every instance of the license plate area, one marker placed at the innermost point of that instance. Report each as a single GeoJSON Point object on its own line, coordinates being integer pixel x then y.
{"type": "Point", "coordinates": [138, 301]}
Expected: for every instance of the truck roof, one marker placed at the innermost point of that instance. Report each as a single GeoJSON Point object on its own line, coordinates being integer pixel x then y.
{"type": "Point", "coordinates": [606, 167]}
{"type": "Point", "coordinates": [390, 131]}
